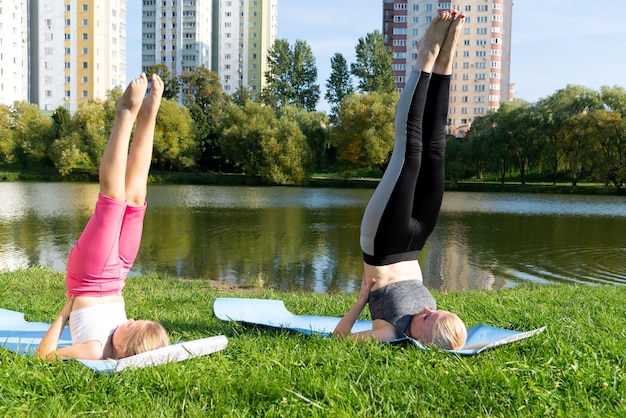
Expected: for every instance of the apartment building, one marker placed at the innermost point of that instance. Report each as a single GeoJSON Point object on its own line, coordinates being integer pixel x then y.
{"type": "Point", "coordinates": [13, 51]}
{"type": "Point", "coordinates": [247, 30]}
{"type": "Point", "coordinates": [76, 51]}
{"type": "Point", "coordinates": [481, 73]}
{"type": "Point", "coordinates": [229, 37]}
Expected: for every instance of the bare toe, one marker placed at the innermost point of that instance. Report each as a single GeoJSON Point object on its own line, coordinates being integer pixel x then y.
{"type": "Point", "coordinates": [133, 95]}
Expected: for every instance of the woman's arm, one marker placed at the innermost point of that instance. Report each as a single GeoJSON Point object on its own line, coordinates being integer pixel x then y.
{"type": "Point", "coordinates": [344, 327]}
{"type": "Point", "coordinates": [381, 329]}
{"type": "Point", "coordinates": [48, 346]}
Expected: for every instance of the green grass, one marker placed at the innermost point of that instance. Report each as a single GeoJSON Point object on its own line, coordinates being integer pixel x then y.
{"type": "Point", "coordinates": [575, 368]}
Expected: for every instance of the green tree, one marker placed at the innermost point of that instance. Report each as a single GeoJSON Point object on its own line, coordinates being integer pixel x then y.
{"type": "Point", "coordinates": [578, 144]}
{"type": "Point", "coordinates": [6, 134]}
{"type": "Point", "coordinates": [607, 130]}
{"type": "Point", "coordinates": [90, 123]}
{"type": "Point", "coordinates": [555, 110]}
{"type": "Point", "coordinates": [614, 145]}
{"type": "Point", "coordinates": [31, 132]}
{"type": "Point", "coordinates": [291, 76]}
{"type": "Point", "coordinates": [519, 144]}
{"type": "Point", "coordinates": [314, 126]}
{"type": "Point", "coordinates": [205, 135]}
{"type": "Point", "coordinates": [278, 90]}
{"type": "Point", "coordinates": [205, 90]}
{"type": "Point", "coordinates": [66, 153]}
{"type": "Point", "coordinates": [264, 145]}
{"type": "Point", "coordinates": [458, 159]}
{"type": "Point", "coordinates": [364, 133]}
{"type": "Point", "coordinates": [62, 121]}
{"type": "Point", "coordinates": [175, 147]}
{"type": "Point", "coordinates": [614, 98]}
{"type": "Point", "coordinates": [206, 101]}
{"type": "Point", "coordinates": [373, 65]}
{"type": "Point", "coordinates": [241, 95]}
{"type": "Point", "coordinates": [338, 85]}
{"type": "Point", "coordinates": [171, 83]}
{"type": "Point", "coordinates": [488, 147]}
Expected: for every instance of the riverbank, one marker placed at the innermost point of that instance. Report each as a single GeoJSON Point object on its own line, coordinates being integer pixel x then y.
{"type": "Point", "coordinates": [574, 368]}
{"type": "Point", "coordinates": [44, 174]}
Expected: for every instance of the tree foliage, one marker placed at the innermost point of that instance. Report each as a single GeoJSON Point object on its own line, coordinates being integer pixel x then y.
{"type": "Point", "coordinates": [364, 135]}
{"type": "Point", "coordinates": [206, 101]}
{"type": "Point", "coordinates": [31, 133]}
{"type": "Point", "coordinates": [171, 84]}
{"type": "Point", "coordinates": [576, 133]}
{"type": "Point", "coordinates": [89, 123]}
{"type": "Point", "coordinates": [203, 88]}
{"type": "Point", "coordinates": [262, 144]}
{"type": "Point", "coordinates": [314, 126]}
{"type": "Point", "coordinates": [291, 77]}
{"type": "Point", "coordinates": [338, 85]}
{"type": "Point", "coordinates": [175, 147]}
{"type": "Point", "coordinates": [6, 133]}
{"type": "Point", "coordinates": [373, 65]}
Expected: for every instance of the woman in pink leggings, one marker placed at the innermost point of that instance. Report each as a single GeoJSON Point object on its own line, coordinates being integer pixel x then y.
{"type": "Point", "coordinates": [104, 253]}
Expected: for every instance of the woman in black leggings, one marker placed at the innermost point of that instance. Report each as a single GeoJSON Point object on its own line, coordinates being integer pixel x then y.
{"type": "Point", "coordinates": [403, 211]}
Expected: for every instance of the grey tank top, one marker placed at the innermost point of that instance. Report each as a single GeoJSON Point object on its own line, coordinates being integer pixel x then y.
{"type": "Point", "coordinates": [398, 302]}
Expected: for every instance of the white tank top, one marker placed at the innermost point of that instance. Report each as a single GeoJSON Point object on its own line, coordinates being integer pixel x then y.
{"type": "Point", "coordinates": [96, 322]}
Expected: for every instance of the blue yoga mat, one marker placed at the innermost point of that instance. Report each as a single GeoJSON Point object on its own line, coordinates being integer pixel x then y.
{"type": "Point", "coordinates": [273, 313]}
{"type": "Point", "coordinates": [22, 337]}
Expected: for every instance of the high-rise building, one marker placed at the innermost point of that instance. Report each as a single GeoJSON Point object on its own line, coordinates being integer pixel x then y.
{"type": "Point", "coordinates": [481, 73]}
{"type": "Point", "coordinates": [247, 30]}
{"type": "Point", "coordinates": [229, 37]}
{"type": "Point", "coordinates": [178, 34]}
{"type": "Point", "coordinates": [13, 51]}
{"type": "Point", "coordinates": [77, 51]}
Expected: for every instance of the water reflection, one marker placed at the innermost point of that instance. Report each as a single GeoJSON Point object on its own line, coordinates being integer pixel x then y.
{"type": "Point", "coordinates": [307, 238]}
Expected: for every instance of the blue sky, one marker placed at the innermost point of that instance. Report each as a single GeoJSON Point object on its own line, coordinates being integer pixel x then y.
{"type": "Point", "coordinates": [555, 43]}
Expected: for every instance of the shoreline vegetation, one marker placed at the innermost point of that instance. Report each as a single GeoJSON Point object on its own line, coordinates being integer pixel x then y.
{"type": "Point", "coordinates": [318, 180]}
{"type": "Point", "coordinates": [576, 367]}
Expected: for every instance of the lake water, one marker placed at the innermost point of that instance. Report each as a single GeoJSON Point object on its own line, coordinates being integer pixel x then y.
{"type": "Point", "coordinates": [308, 238]}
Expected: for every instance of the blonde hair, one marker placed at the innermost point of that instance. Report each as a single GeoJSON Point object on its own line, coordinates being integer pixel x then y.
{"type": "Point", "coordinates": [149, 337]}
{"type": "Point", "coordinates": [449, 332]}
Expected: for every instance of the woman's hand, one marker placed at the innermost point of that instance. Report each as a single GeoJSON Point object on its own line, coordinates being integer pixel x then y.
{"type": "Point", "coordinates": [67, 309]}
{"type": "Point", "coordinates": [344, 327]}
{"type": "Point", "coordinates": [366, 287]}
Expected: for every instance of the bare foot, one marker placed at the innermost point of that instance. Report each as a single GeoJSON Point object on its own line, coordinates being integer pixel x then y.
{"type": "Point", "coordinates": [133, 95]}
{"type": "Point", "coordinates": [443, 64]}
{"type": "Point", "coordinates": [429, 46]}
{"type": "Point", "coordinates": [150, 106]}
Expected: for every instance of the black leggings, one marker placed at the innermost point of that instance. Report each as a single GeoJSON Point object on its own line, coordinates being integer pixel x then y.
{"type": "Point", "coordinates": [403, 210]}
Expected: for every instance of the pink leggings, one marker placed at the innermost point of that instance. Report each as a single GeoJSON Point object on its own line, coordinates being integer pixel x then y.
{"type": "Point", "coordinates": [106, 250]}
